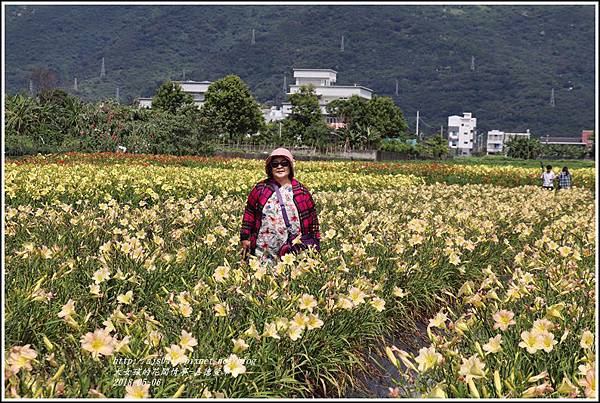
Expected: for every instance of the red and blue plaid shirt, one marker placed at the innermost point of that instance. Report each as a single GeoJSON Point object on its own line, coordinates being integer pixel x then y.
{"type": "Point", "coordinates": [260, 194]}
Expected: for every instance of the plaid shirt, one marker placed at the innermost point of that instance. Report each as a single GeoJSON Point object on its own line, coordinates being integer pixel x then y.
{"type": "Point", "coordinates": [260, 194]}
{"type": "Point", "coordinates": [564, 180]}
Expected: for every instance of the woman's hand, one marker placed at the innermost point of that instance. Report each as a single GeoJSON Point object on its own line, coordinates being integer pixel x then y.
{"type": "Point", "coordinates": [245, 247]}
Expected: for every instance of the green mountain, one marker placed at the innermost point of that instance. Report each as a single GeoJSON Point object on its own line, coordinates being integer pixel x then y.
{"type": "Point", "coordinates": [520, 54]}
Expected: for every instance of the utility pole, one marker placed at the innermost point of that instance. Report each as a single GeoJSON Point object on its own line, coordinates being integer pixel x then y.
{"type": "Point", "coordinates": [30, 87]}
{"type": "Point", "coordinates": [442, 131]}
{"type": "Point", "coordinates": [417, 129]}
{"type": "Point", "coordinates": [117, 97]}
{"type": "Point", "coordinates": [342, 47]}
{"type": "Point", "coordinates": [472, 63]}
{"type": "Point", "coordinates": [102, 69]}
{"type": "Point", "coordinates": [396, 87]}
{"type": "Point", "coordinates": [552, 103]}
{"type": "Point", "coordinates": [284, 83]}
{"type": "Point", "coordinates": [75, 85]}
{"type": "Point", "coordinates": [253, 38]}
{"type": "Point", "coordinates": [184, 75]}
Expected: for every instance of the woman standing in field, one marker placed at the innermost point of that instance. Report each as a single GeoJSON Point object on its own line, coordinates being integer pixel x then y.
{"type": "Point", "coordinates": [564, 179]}
{"type": "Point", "coordinates": [279, 212]}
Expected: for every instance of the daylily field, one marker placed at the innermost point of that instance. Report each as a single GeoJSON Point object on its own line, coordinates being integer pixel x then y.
{"type": "Point", "coordinates": [123, 279]}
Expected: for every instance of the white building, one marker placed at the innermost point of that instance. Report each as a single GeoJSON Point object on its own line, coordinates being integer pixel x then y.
{"type": "Point", "coordinates": [145, 103]}
{"type": "Point", "coordinates": [324, 81]}
{"type": "Point", "coordinates": [496, 140]}
{"type": "Point", "coordinates": [565, 141]}
{"type": "Point", "coordinates": [196, 89]}
{"type": "Point", "coordinates": [272, 114]}
{"type": "Point", "coordinates": [461, 133]}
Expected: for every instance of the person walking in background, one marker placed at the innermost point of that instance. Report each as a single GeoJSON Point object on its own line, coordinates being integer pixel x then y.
{"type": "Point", "coordinates": [548, 178]}
{"type": "Point", "coordinates": [279, 209]}
{"type": "Point", "coordinates": [564, 179]}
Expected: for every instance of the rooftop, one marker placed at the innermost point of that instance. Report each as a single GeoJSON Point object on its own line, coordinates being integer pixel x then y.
{"type": "Point", "coordinates": [330, 70]}
{"type": "Point", "coordinates": [192, 82]}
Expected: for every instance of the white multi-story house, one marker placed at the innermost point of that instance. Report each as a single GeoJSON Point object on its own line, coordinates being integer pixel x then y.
{"type": "Point", "coordinates": [324, 81]}
{"type": "Point", "coordinates": [196, 89]}
{"type": "Point", "coordinates": [461, 133]}
{"type": "Point", "coordinates": [496, 140]}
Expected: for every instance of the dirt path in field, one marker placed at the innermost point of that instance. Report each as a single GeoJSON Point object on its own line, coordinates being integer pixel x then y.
{"type": "Point", "coordinates": [375, 382]}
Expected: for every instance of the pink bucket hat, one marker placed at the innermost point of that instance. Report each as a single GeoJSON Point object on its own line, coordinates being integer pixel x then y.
{"type": "Point", "coordinates": [280, 152]}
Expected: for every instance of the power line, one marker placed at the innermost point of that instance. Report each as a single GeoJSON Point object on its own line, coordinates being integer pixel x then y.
{"type": "Point", "coordinates": [425, 123]}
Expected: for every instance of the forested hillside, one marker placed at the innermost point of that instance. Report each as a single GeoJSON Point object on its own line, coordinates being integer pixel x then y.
{"type": "Point", "coordinates": [520, 54]}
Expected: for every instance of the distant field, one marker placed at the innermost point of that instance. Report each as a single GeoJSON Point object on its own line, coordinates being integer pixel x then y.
{"type": "Point", "coordinates": [522, 163]}
{"type": "Point", "coordinates": [499, 171]}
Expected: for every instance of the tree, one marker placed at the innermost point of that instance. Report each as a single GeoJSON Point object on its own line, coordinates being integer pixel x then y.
{"type": "Point", "coordinates": [368, 121]}
{"type": "Point", "coordinates": [556, 151]}
{"type": "Point", "coordinates": [22, 115]}
{"type": "Point", "coordinates": [43, 79]}
{"type": "Point", "coordinates": [55, 96]}
{"type": "Point", "coordinates": [170, 97]}
{"type": "Point", "coordinates": [387, 118]}
{"type": "Point", "coordinates": [305, 106]}
{"type": "Point", "coordinates": [353, 111]}
{"type": "Point", "coordinates": [306, 125]}
{"type": "Point", "coordinates": [521, 147]}
{"type": "Point", "coordinates": [435, 147]}
{"type": "Point", "coordinates": [230, 104]}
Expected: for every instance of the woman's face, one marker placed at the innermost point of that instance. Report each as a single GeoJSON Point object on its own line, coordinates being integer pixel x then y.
{"type": "Point", "coordinates": [280, 171]}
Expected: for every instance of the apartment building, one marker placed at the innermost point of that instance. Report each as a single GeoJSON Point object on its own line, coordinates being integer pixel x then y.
{"type": "Point", "coordinates": [461, 133]}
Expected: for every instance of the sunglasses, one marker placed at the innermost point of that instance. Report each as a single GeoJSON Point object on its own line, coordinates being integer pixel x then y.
{"type": "Point", "coordinates": [284, 164]}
